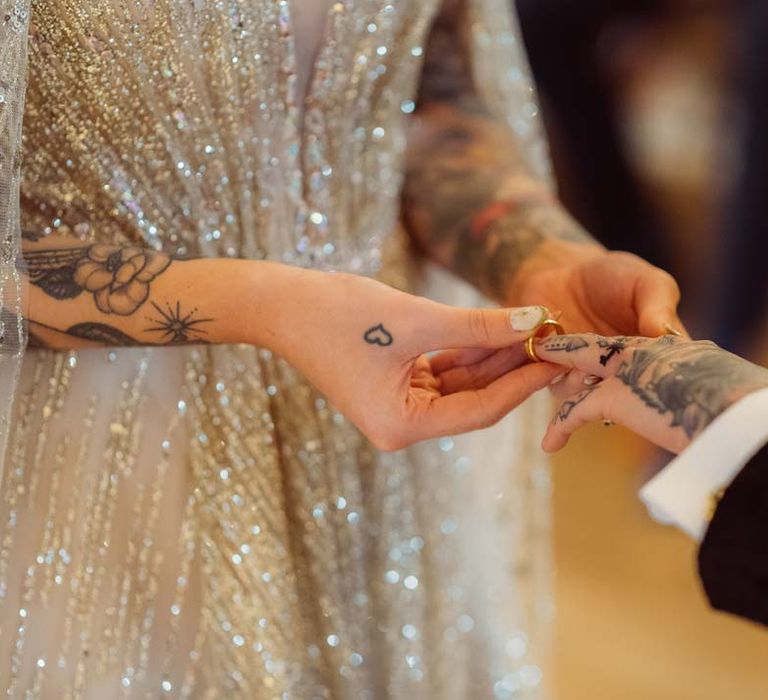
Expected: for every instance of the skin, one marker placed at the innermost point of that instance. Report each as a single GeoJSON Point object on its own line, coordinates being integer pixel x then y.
{"type": "Point", "coordinates": [665, 389]}
{"type": "Point", "coordinates": [470, 204]}
{"type": "Point", "coordinates": [100, 295]}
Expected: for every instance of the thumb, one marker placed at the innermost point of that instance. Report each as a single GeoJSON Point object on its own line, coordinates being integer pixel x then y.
{"type": "Point", "coordinates": [451, 327]}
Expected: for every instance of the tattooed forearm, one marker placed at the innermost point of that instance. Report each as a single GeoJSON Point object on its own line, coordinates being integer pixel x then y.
{"type": "Point", "coordinates": [40, 334]}
{"type": "Point", "coordinates": [468, 200]}
{"type": "Point", "coordinates": [447, 74]}
{"type": "Point", "coordinates": [170, 326]}
{"type": "Point", "coordinates": [107, 295]}
{"type": "Point", "coordinates": [118, 277]}
{"type": "Point", "coordinates": [177, 327]}
{"type": "Point", "coordinates": [458, 219]}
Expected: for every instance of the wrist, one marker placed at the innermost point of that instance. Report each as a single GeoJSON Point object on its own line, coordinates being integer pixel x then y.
{"type": "Point", "coordinates": [520, 237]}
{"type": "Point", "coordinates": [261, 297]}
{"type": "Point", "coordinates": [740, 379]}
{"type": "Point", "coordinates": [759, 383]}
{"type": "Point", "coordinates": [552, 257]}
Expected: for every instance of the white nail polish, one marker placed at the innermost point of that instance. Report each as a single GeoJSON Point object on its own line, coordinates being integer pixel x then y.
{"type": "Point", "coordinates": [526, 318]}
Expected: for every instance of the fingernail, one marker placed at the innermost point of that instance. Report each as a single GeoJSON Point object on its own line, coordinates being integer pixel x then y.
{"type": "Point", "coordinates": [591, 380]}
{"type": "Point", "coordinates": [558, 378]}
{"type": "Point", "coordinates": [527, 318]}
{"type": "Point", "coordinates": [672, 330]}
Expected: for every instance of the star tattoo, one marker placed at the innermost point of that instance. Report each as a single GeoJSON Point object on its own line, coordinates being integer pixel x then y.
{"type": "Point", "coordinates": [177, 327]}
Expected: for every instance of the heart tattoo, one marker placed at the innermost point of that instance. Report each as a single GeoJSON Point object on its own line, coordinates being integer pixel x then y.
{"type": "Point", "coordinates": [378, 335]}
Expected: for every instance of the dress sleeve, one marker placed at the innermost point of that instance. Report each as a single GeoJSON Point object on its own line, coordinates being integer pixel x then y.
{"type": "Point", "coordinates": [14, 23]}
{"type": "Point", "coordinates": [503, 79]}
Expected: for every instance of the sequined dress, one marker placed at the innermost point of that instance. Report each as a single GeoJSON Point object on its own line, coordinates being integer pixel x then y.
{"type": "Point", "coordinates": [200, 522]}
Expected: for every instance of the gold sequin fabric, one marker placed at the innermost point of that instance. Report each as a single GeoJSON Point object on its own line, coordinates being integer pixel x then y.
{"type": "Point", "coordinates": [200, 522]}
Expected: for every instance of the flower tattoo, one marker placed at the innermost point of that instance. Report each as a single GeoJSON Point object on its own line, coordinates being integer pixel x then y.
{"type": "Point", "coordinates": [119, 278]}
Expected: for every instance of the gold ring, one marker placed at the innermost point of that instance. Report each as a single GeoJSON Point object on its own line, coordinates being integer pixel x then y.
{"type": "Point", "coordinates": [539, 332]}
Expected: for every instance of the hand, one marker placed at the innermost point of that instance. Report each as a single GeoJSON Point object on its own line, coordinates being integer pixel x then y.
{"type": "Point", "coordinates": [611, 293]}
{"type": "Point", "coordinates": [666, 389]}
{"type": "Point", "coordinates": [363, 344]}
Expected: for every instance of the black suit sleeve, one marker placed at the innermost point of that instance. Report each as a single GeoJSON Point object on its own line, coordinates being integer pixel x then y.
{"type": "Point", "coordinates": [733, 558]}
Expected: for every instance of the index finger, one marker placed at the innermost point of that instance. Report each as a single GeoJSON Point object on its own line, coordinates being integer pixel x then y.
{"type": "Point", "coordinates": [589, 353]}
{"type": "Point", "coordinates": [475, 409]}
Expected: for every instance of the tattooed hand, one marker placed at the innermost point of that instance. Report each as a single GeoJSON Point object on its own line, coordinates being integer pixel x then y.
{"type": "Point", "coordinates": [665, 389]}
{"type": "Point", "coordinates": [368, 347]}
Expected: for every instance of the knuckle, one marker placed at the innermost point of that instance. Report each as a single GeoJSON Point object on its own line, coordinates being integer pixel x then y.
{"type": "Point", "coordinates": [670, 280]}
{"type": "Point", "coordinates": [663, 341]}
{"type": "Point", "coordinates": [591, 339]}
{"type": "Point", "coordinates": [478, 325]}
{"type": "Point", "coordinates": [625, 258]}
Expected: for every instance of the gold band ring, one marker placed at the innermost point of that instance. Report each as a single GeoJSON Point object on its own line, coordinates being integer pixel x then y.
{"type": "Point", "coordinates": [539, 332]}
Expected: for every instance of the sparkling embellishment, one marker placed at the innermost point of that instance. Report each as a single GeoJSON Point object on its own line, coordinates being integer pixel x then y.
{"type": "Point", "coordinates": [392, 576]}
{"type": "Point", "coordinates": [411, 582]}
{"type": "Point", "coordinates": [195, 518]}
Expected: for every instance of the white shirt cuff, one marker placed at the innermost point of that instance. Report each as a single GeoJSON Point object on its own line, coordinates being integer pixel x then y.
{"type": "Point", "coordinates": [681, 493]}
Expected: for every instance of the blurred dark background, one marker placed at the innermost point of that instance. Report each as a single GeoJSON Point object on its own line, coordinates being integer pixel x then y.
{"type": "Point", "coordinates": [657, 114]}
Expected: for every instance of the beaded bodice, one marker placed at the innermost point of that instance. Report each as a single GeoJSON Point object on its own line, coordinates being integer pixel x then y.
{"type": "Point", "coordinates": [189, 125]}
{"type": "Point", "coordinates": [200, 522]}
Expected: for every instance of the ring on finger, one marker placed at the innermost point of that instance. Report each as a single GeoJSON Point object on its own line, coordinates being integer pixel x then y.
{"type": "Point", "coordinates": [543, 329]}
